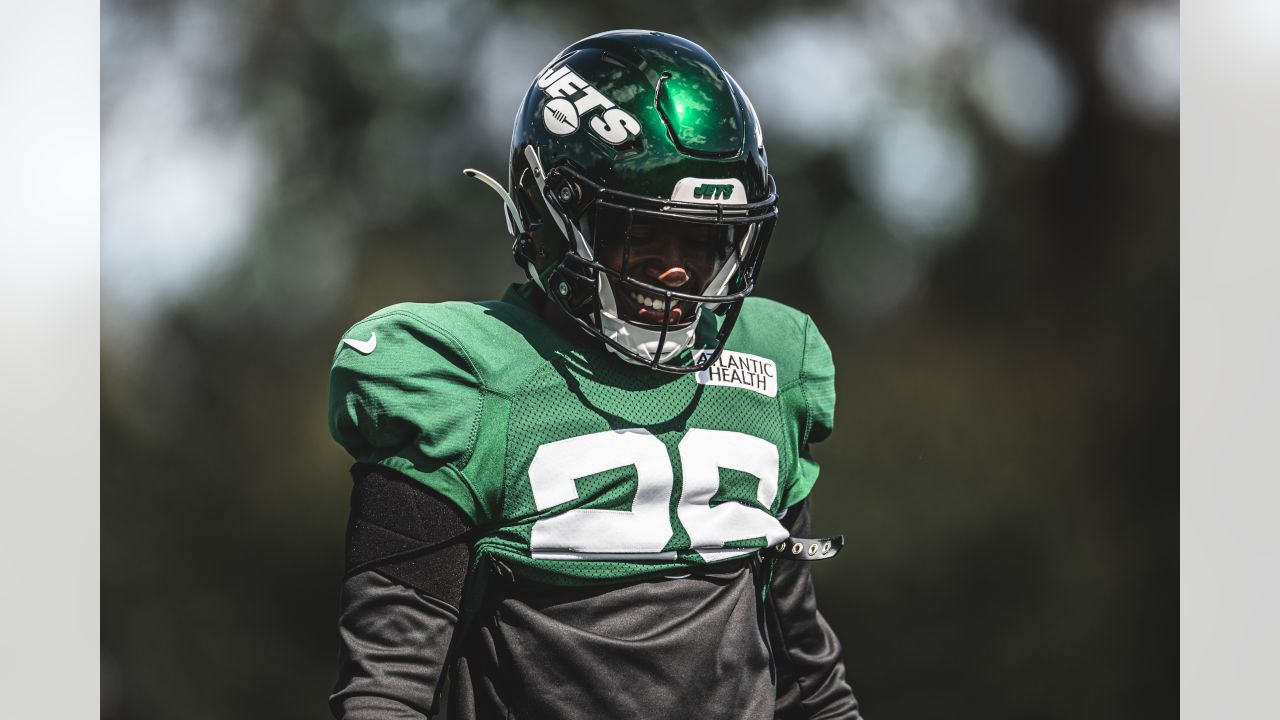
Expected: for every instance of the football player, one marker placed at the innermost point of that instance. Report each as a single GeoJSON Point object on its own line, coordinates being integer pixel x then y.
{"type": "Point", "coordinates": [588, 499]}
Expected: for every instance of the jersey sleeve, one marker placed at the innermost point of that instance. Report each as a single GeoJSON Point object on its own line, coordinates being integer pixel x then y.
{"type": "Point", "coordinates": [818, 413]}
{"type": "Point", "coordinates": [404, 394]}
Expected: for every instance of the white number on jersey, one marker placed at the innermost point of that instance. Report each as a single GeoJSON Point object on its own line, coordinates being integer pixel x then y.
{"type": "Point", "coordinates": [643, 531]}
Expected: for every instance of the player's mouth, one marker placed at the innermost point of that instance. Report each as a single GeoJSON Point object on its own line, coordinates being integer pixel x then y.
{"type": "Point", "coordinates": [646, 308]}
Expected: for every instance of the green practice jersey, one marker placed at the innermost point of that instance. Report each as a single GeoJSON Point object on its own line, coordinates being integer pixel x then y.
{"type": "Point", "coordinates": [579, 467]}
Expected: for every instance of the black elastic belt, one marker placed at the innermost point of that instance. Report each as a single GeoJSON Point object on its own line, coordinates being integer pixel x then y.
{"type": "Point", "coordinates": [808, 549]}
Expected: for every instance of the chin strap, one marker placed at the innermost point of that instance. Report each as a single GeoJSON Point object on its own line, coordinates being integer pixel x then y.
{"type": "Point", "coordinates": [513, 220]}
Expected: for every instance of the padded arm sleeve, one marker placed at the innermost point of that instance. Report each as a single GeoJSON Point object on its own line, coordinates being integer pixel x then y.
{"type": "Point", "coordinates": [811, 680]}
{"type": "Point", "coordinates": [408, 532]}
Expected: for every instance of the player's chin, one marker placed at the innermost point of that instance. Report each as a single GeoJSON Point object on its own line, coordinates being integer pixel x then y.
{"type": "Point", "coordinates": [643, 309]}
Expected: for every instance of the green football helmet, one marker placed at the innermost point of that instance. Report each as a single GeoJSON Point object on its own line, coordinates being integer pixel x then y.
{"type": "Point", "coordinates": [627, 135]}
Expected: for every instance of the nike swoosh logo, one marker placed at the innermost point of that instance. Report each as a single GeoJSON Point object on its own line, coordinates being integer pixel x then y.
{"type": "Point", "coordinates": [364, 347]}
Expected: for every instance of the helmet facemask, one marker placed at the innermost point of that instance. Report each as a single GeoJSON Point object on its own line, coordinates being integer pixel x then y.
{"type": "Point", "coordinates": [609, 283]}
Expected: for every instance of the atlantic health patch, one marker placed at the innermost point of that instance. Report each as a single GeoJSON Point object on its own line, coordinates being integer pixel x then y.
{"type": "Point", "coordinates": [740, 370]}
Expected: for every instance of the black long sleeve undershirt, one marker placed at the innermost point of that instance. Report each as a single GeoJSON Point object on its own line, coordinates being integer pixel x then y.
{"type": "Point", "coordinates": [393, 649]}
{"type": "Point", "coordinates": [395, 639]}
{"type": "Point", "coordinates": [397, 617]}
{"type": "Point", "coordinates": [811, 682]}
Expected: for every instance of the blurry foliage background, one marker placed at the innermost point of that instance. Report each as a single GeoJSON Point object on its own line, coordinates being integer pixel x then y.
{"type": "Point", "coordinates": [979, 208]}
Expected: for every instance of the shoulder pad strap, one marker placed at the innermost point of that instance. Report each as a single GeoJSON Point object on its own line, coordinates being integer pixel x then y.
{"type": "Point", "coordinates": [807, 549]}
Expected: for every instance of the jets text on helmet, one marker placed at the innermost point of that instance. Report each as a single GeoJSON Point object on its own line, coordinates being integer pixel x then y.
{"type": "Point", "coordinates": [570, 97]}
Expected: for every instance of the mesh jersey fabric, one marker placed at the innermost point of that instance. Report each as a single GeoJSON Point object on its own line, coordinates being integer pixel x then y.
{"type": "Point", "coordinates": [581, 468]}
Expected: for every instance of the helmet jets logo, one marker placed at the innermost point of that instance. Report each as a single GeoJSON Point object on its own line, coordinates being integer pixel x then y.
{"type": "Point", "coordinates": [722, 191]}
{"type": "Point", "coordinates": [571, 97]}
{"type": "Point", "coordinates": [713, 191]}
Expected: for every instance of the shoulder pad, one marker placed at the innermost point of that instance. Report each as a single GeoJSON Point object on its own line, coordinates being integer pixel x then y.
{"type": "Point", "coordinates": [404, 393]}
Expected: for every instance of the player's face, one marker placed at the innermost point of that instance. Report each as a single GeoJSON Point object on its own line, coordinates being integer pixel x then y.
{"type": "Point", "coordinates": [680, 256]}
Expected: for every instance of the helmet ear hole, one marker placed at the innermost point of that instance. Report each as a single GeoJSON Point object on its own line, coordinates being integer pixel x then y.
{"type": "Point", "coordinates": [568, 195]}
